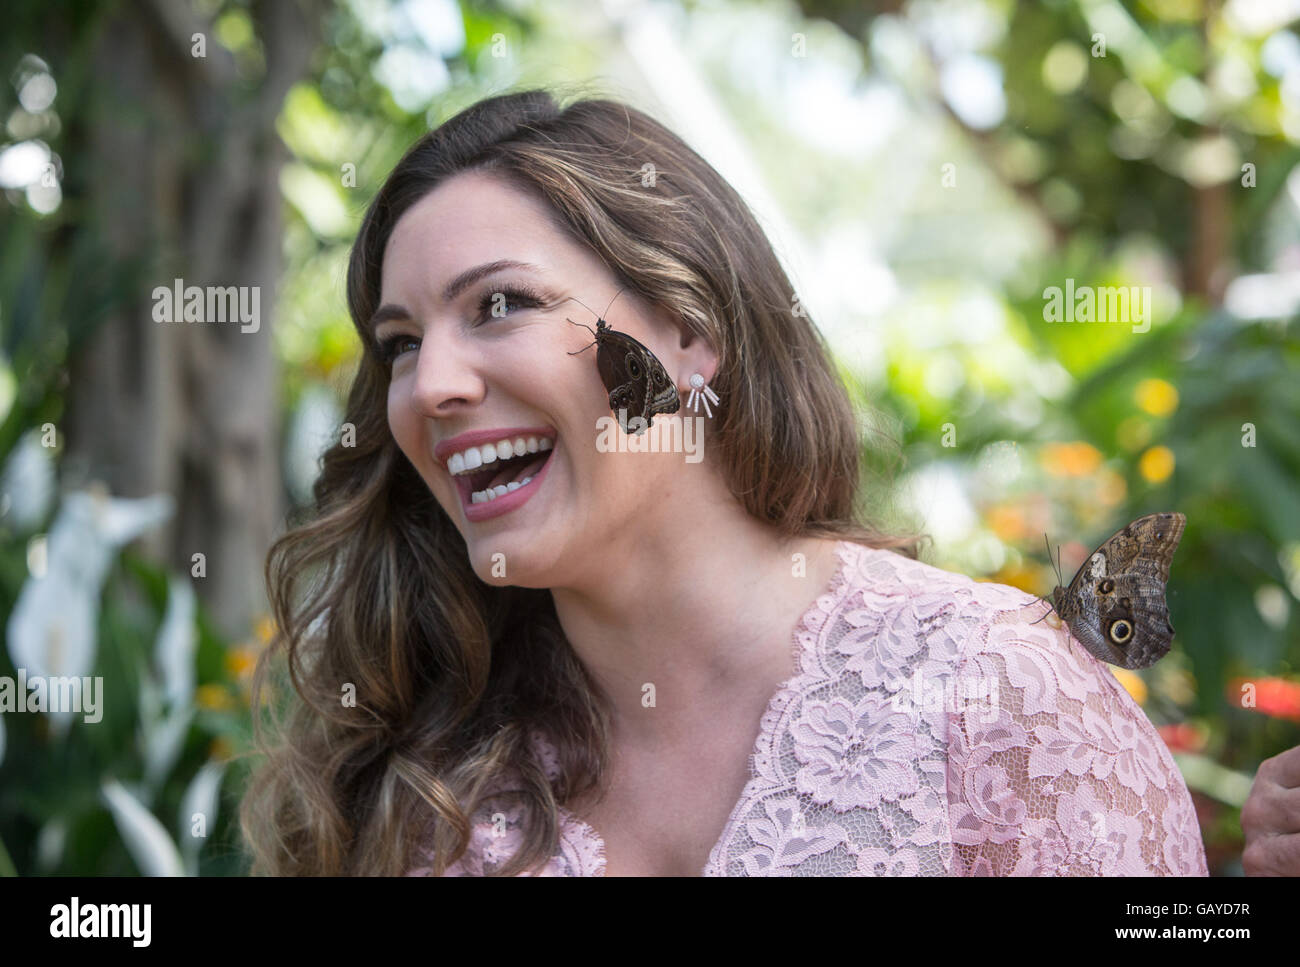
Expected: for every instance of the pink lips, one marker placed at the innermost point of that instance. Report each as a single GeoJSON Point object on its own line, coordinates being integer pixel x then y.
{"type": "Point", "coordinates": [476, 438]}
{"type": "Point", "coordinates": [501, 505]}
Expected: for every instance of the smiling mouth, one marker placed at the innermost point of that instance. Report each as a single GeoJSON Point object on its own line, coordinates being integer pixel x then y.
{"type": "Point", "coordinates": [503, 477]}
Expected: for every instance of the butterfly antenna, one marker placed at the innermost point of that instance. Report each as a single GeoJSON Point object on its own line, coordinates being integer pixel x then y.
{"type": "Point", "coordinates": [612, 301]}
{"type": "Point", "coordinates": [1048, 545]}
{"type": "Point", "coordinates": [587, 327]}
{"type": "Point", "coordinates": [1054, 561]}
{"type": "Point", "coordinates": [589, 309]}
{"type": "Point", "coordinates": [581, 303]}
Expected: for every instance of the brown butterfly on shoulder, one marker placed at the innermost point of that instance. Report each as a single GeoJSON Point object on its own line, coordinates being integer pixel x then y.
{"type": "Point", "coordinates": [1115, 605]}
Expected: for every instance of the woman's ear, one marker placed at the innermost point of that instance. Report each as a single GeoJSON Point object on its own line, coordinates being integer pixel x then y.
{"type": "Point", "coordinates": [688, 352]}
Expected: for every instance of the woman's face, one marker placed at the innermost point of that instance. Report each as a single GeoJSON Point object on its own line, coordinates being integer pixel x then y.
{"type": "Point", "coordinates": [480, 355]}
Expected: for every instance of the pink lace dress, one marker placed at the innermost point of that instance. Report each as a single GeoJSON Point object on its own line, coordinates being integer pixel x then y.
{"type": "Point", "coordinates": [931, 729]}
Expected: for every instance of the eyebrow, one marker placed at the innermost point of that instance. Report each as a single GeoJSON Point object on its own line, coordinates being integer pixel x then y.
{"type": "Point", "coordinates": [453, 288]}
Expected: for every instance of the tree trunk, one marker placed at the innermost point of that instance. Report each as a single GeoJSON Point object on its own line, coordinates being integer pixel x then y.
{"type": "Point", "coordinates": [183, 183]}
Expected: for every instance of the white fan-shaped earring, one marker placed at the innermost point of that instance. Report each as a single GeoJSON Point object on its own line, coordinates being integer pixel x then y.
{"type": "Point", "coordinates": [700, 393]}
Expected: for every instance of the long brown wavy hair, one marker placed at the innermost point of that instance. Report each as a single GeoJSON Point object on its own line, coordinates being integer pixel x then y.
{"type": "Point", "coordinates": [375, 593]}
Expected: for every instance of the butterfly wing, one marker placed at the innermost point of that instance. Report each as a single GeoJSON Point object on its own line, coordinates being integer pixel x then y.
{"type": "Point", "coordinates": [1078, 609]}
{"type": "Point", "coordinates": [1115, 606]}
{"type": "Point", "coordinates": [638, 384]}
{"type": "Point", "coordinates": [664, 397]}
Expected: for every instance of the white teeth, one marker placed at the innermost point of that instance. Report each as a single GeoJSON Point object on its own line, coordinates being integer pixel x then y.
{"type": "Point", "coordinates": [474, 458]}
{"type": "Point", "coordinates": [487, 496]}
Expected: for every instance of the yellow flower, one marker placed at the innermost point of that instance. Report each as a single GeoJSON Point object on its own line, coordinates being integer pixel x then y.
{"type": "Point", "coordinates": [220, 749]}
{"type": "Point", "coordinates": [1157, 464]}
{"type": "Point", "coordinates": [241, 660]}
{"type": "Point", "coordinates": [1132, 683]}
{"type": "Point", "coordinates": [1156, 397]}
{"type": "Point", "coordinates": [264, 629]}
{"type": "Point", "coordinates": [1019, 576]}
{"type": "Point", "coordinates": [214, 697]}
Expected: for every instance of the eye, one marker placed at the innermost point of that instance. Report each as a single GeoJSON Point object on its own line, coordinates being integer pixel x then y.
{"type": "Point", "coordinates": [393, 346]}
{"type": "Point", "coordinates": [520, 297]}
{"type": "Point", "coordinates": [1120, 631]}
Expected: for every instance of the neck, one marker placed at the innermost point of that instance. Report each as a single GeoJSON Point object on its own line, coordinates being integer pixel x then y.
{"type": "Point", "coordinates": [694, 612]}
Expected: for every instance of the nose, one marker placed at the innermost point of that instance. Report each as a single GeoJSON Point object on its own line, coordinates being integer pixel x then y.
{"type": "Point", "coordinates": [446, 376]}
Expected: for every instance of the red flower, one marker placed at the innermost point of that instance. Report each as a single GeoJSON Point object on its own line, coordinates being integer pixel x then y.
{"type": "Point", "coordinates": [1182, 737]}
{"type": "Point", "coordinates": [1277, 697]}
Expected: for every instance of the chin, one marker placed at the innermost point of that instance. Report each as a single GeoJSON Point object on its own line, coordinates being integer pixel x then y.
{"type": "Point", "coordinates": [508, 562]}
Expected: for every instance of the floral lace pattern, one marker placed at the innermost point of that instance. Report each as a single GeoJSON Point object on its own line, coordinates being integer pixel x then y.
{"type": "Point", "coordinates": [931, 728]}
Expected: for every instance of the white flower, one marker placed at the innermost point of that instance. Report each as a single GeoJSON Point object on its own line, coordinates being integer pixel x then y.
{"type": "Point", "coordinates": [51, 631]}
{"type": "Point", "coordinates": [150, 846]}
{"type": "Point", "coordinates": [201, 798]}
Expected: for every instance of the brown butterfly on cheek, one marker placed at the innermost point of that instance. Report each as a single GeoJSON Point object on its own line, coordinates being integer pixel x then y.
{"type": "Point", "coordinates": [639, 386]}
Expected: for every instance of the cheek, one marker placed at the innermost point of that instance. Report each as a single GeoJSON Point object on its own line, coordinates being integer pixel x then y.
{"type": "Point", "coordinates": [403, 423]}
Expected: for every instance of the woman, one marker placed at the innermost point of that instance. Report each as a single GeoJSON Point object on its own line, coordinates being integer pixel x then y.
{"type": "Point", "coordinates": [636, 662]}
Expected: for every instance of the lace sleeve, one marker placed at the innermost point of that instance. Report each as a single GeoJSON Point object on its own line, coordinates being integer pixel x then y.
{"type": "Point", "coordinates": [1053, 769]}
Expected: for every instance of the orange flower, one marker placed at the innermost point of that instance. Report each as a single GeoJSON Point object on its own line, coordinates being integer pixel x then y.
{"type": "Point", "coordinates": [1077, 459]}
{"type": "Point", "coordinates": [1276, 697]}
{"type": "Point", "coordinates": [1007, 522]}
